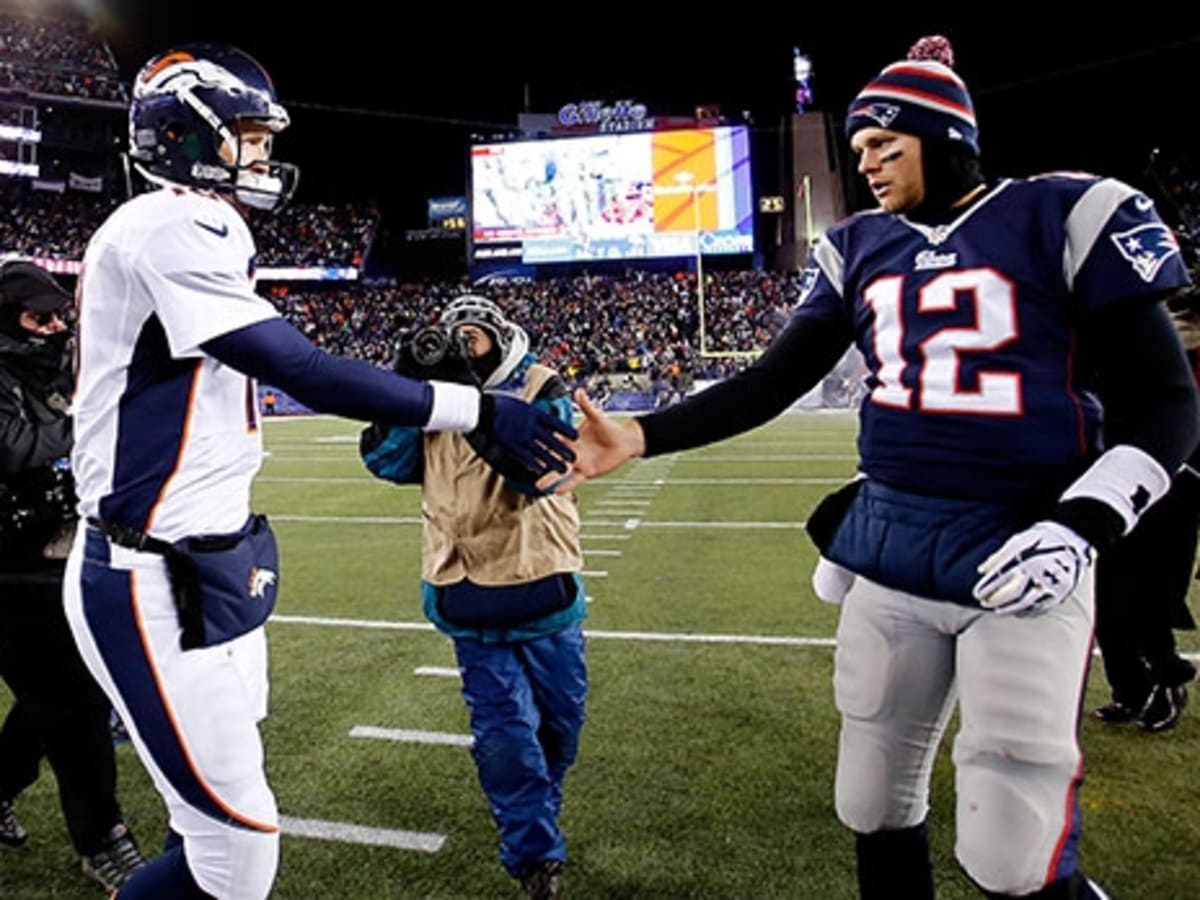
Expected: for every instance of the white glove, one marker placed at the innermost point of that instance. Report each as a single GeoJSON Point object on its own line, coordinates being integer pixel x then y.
{"type": "Point", "coordinates": [1035, 570]}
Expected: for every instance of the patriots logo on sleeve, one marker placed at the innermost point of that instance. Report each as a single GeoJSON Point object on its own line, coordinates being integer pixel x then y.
{"type": "Point", "coordinates": [1146, 248]}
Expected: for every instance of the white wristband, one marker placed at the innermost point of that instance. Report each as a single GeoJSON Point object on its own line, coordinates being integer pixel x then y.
{"type": "Point", "coordinates": [455, 407]}
{"type": "Point", "coordinates": [1125, 478]}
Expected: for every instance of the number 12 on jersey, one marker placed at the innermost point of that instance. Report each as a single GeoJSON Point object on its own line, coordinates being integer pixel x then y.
{"type": "Point", "coordinates": [939, 356]}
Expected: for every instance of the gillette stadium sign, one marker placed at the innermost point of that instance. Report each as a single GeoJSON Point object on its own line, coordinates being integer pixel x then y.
{"type": "Point", "coordinates": [622, 115]}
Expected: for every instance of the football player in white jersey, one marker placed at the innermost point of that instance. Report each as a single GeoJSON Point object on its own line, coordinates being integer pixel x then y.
{"type": "Point", "coordinates": [1001, 321]}
{"type": "Point", "coordinates": [168, 585]}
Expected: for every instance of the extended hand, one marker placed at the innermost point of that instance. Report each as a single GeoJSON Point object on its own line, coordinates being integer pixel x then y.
{"type": "Point", "coordinates": [525, 439]}
{"type": "Point", "coordinates": [1034, 571]}
{"type": "Point", "coordinates": [603, 445]}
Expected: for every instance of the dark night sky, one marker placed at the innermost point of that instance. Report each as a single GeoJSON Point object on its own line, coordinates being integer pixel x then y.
{"type": "Point", "coordinates": [383, 96]}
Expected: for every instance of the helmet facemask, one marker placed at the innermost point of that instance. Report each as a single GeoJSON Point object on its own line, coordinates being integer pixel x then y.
{"type": "Point", "coordinates": [258, 181]}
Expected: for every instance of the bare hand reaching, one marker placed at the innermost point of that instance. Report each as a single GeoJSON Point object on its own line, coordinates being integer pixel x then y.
{"type": "Point", "coordinates": [603, 445]}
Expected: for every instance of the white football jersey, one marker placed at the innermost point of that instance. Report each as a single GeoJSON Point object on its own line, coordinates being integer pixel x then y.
{"type": "Point", "coordinates": [166, 438]}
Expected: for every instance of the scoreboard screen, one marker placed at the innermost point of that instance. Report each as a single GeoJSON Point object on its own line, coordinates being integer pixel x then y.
{"type": "Point", "coordinates": [632, 195]}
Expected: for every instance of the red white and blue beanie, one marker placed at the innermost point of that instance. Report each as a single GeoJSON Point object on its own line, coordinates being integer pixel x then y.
{"type": "Point", "coordinates": [921, 96]}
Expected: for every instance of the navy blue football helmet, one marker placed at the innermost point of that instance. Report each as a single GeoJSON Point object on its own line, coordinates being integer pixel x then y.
{"type": "Point", "coordinates": [187, 104]}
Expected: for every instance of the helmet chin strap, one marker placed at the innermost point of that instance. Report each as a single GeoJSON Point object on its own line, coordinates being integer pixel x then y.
{"type": "Point", "coordinates": [152, 177]}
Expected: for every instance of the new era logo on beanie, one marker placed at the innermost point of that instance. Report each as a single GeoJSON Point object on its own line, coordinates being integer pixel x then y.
{"type": "Point", "coordinates": [921, 96]}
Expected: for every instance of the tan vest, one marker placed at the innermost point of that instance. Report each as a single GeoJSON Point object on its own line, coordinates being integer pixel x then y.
{"type": "Point", "coordinates": [475, 527]}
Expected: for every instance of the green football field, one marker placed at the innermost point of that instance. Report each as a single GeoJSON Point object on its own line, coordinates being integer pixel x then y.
{"type": "Point", "coordinates": [706, 766]}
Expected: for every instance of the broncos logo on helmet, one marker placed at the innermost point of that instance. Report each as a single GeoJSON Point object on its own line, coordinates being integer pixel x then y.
{"type": "Point", "coordinates": [187, 106]}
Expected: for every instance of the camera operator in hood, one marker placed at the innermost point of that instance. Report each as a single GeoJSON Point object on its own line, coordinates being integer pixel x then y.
{"type": "Point", "coordinates": [58, 711]}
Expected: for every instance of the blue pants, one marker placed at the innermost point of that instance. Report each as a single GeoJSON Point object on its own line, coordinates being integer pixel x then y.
{"type": "Point", "coordinates": [526, 702]}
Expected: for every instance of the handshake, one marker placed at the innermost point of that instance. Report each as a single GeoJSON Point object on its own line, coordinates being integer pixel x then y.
{"type": "Point", "coordinates": [520, 441]}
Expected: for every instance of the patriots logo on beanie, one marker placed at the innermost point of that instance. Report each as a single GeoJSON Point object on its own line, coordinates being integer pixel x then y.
{"type": "Point", "coordinates": [883, 114]}
{"type": "Point", "coordinates": [922, 95]}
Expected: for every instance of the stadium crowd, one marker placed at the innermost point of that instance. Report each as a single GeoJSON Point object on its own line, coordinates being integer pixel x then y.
{"type": "Point", "coordinates": [641, 324]}
{"type": "Point", "coordinates": [316, 235]}
{"type": "Point", "coordinates": [47, 225]}
{"type": "Point", "coordinates": [51, 225]}
{"type": "Point", "coordinates": [57, 56]}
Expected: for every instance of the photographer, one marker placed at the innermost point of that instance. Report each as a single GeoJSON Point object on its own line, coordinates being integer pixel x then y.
{"type": "Point", "coordinates": [501, 575]}
{"type": "Point", "coordinates": [58, 711]}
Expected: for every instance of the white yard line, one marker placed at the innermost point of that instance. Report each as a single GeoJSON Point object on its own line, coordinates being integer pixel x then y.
{"type": "Point", "coordinates": [350, 520]}
{"type": "Point", "coordinates": [628, 524]}
{"type": "Point", "coordinates": [348, 833]}
{"type": "Point", "coordinates": [679, 637]}
{"type": "Point", "coordinates": [411, 736]}
{"type": "Point", "coordinates": [674, 482]}
{"type": "Point", "coordinates": [340, 459]}
{"type": "Point", "coordinates": [806, 440]}
{"type": "Point", "coordinates": [649, 485]}
{"type": "Point", "coordinates": [646, 523]}
{"type": "Point", "coordinates": [654, 636]}
{"type": "Point", "coordinates": [334, 622]}
{"type": "Point", "coordinates": [437, 671]}
{"type": "Point", "coordinates": [786, 457]}
{"type": "Point", "coordinates": [333, 479]}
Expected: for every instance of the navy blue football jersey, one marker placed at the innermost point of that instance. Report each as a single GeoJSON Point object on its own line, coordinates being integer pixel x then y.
{"type": "Point", "coordinates": [970, 329]}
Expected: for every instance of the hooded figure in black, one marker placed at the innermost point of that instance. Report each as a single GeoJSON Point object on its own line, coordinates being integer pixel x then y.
{"type": "Point", "coordinates": [36, 491]}
{"type": "Point", "coordinates": [58, 712]}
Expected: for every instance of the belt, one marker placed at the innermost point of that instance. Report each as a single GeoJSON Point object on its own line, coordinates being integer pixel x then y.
{"type": "Point", "coordinates": [181, 570]}
{"type": "Point", "coordinates": [131, 538]}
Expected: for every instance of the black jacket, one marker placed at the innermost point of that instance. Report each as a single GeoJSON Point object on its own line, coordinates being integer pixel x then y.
{"type": "Point", "coordinates": [37, 495]}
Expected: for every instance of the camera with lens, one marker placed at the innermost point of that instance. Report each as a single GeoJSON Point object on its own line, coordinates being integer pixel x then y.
{"type": "Point", "coordinates": [435, 353]}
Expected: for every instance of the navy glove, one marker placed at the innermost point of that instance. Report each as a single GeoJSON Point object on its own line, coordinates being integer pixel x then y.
{"type": "Point", "coordinates": [520, 441]}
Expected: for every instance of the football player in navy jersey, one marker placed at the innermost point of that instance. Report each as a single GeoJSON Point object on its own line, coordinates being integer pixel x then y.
{"type": "Point", "coordinates": [998, 318]}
